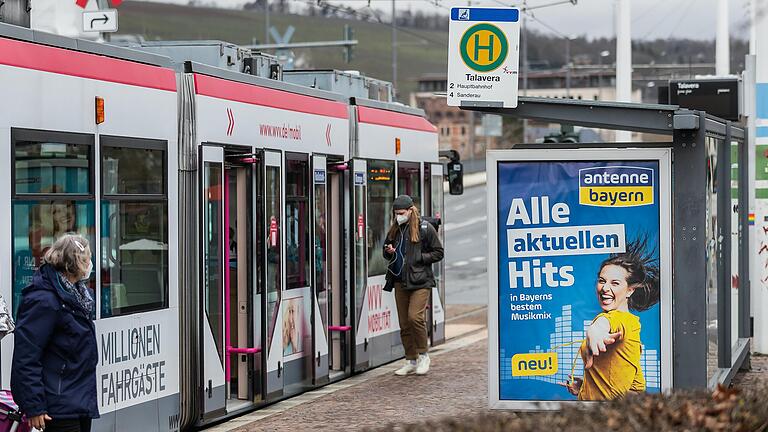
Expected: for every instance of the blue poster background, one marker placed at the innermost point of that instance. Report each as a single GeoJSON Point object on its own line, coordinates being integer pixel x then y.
{"type": "Point", "coordinates": [571, 307]}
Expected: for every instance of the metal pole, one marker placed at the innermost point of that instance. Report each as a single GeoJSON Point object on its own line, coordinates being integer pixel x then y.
{"type": "Point", "coordinates": [102, 4]}
{"type": "Point", "coordinates": [623, 60]}
{"type": "Point", "coordinates": [568, 68]}
{"type": "Point", "coordinates": [266, 18]}
{"type": "Point", "coordinates": [394, 46]}
{"type": "Point", "coordinates": [524, 55]}
{"type": "Point", "coordinates": [722, 51]}
{"type": "Point", "coordinates": [600, 77]}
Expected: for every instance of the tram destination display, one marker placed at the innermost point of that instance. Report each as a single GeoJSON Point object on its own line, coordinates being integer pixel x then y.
{"type": "Point", "coordinates": [580, 288]}
{"type": "Point", "coordinates": [483, 57]}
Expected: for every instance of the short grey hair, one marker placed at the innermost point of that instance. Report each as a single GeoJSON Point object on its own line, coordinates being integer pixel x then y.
{"type": "Point", "coordinates": [70, 254]}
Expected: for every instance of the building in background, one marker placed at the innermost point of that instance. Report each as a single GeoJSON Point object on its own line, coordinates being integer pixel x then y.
{"type": "Point", "coordinates": [469, 133]}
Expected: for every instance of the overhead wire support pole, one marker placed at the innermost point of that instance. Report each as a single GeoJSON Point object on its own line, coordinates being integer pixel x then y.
{"type": "Point", "coordinates": [266, 18]}
{"type": "Point", "coordinates": [394, 46]}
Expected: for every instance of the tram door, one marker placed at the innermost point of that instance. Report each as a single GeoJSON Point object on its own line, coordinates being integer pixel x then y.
{"type": "Point", "coordinates": [320, 283]}
{"type": "Point", "coordinates": [231, 352]}
{"type": "Point", "coordinates": [338, 297]}
{"type": "Point", "coordinates": [212, 273]}
{"type": "Point", "coordinates": [242, 341]}
{"type": "Point", "coordinates": [360, 263]}
{"type": "Point", "coordinates": [273, 271]}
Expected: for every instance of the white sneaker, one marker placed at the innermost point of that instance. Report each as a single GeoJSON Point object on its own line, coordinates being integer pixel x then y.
{"type": "Point", "coordinates": [422, 364]}
{"type": "Point", "coordinates": [409, 368]}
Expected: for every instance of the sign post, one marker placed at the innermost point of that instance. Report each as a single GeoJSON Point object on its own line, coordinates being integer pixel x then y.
{"type": "Point", "coordinates": [580, 295]}
{"type": "Point", "coordinates": [483, 57]}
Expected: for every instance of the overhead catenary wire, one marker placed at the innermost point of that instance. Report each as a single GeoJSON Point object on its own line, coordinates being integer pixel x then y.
{"type": "Point", "coordinates": [378, 20]}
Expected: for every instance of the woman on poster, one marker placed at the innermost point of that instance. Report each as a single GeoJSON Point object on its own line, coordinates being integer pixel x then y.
{"type": "Point", "coordinates": [611, 352]}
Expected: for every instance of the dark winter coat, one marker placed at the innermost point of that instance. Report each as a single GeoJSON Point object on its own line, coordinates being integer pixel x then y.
{"type": "Point", "coordinates": [54, 353]}
{"type": "Point", "coordinates": [419, 257]}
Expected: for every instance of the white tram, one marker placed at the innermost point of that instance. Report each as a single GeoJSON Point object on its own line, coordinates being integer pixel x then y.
{"type": "Point", "coordinates": [237, 220]}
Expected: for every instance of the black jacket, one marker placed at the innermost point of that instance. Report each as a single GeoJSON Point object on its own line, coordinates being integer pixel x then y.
{"type": "Point", "coordinates": [419, 257]}
{"type": "Point", "coordinates": [55, 353]}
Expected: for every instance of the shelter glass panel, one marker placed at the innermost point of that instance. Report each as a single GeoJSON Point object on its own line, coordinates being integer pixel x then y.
{"type": "Point", "coordinates": [735, 246]}
{"type": "Point", "coordinates": [381, 194]}
{"type": "Point", "coordinates": [712, 252]}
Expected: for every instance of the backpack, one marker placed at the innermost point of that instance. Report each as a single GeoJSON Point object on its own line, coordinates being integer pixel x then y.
{"type": "Point", "coordinates": [435, 222]}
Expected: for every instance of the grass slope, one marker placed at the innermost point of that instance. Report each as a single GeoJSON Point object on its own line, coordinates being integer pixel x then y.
{"type": "Point", "coordinates": [418, 53]}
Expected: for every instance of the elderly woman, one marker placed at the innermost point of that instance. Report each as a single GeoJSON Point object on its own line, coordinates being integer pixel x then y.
{"type": "Point", "coordinates": [53, 377]}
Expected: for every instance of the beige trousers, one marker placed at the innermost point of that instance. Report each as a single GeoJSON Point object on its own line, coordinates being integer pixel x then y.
{"type": "Point", "coordinates": [411, 313]}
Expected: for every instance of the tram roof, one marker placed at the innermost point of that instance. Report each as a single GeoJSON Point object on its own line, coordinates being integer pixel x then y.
{"type": "Point", "coordinates": [388, 106]}
{"type": "Point", "coordinates": [194, 67]}
{"type": "Point", "coordinates": [24, 34]}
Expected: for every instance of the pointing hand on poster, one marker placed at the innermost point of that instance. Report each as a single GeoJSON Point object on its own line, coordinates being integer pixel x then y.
{"type": "Point", "coordinates": [598, 336]}
{"type": "Point", "coordinates": [573, 384]}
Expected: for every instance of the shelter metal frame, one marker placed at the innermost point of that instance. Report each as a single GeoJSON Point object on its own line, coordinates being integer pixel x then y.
{"type": "Point", "coordinates": [689, 130]}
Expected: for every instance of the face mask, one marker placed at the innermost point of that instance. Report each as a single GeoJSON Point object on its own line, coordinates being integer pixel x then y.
{"type": "Point", "coordinates": [401, 219]}
{"type": "Point", "coordinates": [88, 272]}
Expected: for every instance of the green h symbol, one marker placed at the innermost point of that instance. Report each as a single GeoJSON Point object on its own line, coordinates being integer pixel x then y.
{"type": "Point", "coordinates": [479, 47]}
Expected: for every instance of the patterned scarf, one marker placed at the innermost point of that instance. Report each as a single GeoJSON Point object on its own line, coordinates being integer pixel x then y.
{"type": "Point", "coordinates": [79, 291]}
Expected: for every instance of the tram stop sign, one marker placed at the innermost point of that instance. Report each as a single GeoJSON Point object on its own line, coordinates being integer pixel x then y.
{"type": "Point", "coordinates": [483, 57]}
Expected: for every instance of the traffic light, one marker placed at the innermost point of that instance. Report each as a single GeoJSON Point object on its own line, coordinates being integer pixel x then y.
{"type": "Point", "coordinates": [455, 178]}
{"type": "Point", "coordinates": [566, 135]}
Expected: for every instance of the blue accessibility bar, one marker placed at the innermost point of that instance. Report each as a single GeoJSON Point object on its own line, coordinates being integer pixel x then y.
{"type": "Point", "coordinates": [485, 14]}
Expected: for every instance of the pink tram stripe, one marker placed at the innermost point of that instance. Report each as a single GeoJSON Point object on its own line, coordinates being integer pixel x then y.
{"type": "Point", "coordinates": [252, 94]}
{"type": "Point", "coordinates": [44, 58]}
{"type": "Point", "coordinates": [394, 119]}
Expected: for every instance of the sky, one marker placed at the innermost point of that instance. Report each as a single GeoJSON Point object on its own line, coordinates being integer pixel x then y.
{"type": "Point", "coordinates": [651, 19]}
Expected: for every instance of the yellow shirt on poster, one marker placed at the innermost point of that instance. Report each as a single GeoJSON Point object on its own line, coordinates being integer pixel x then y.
{"type": "Point", "coordinates": [617, 371]}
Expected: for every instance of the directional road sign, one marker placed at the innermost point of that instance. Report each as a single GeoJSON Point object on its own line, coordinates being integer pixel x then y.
{"type": "Point", "coordinates": [483, 57]}
{"type": "Point", "coordinates": [102, 21]}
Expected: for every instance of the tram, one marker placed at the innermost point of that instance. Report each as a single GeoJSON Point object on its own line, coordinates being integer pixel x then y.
{"type": "Point", "coordinates": [236, 215]}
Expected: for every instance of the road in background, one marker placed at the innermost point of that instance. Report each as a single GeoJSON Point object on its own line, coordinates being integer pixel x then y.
{"type": "Point", "coordinates": [466, 241]}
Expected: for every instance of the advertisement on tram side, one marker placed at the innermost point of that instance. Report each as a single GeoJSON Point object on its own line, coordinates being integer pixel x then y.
{"type": "Point", "coordinates": [582, 280]}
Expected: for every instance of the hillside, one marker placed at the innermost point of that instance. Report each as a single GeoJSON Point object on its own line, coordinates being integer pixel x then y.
{"type": "Point", "coordinates": [419, 52]}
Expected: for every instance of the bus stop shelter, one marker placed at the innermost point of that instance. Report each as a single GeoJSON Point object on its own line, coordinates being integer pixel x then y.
{"type": "Point", "coordinates": [710, 243]}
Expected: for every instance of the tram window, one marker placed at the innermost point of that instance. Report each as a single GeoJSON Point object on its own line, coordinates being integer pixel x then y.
{"type": "Point", "coordinates": [297, 221]}
{"type": "Point", "coordinates": [134, 229]}
{"type": "Point", "coordinates": [133, 171]}
{"type": "Point", "coordinates": [409, 181]}
{"type": "Point", "coordinates": [36, 226]}
{"type": "Point", "coordinates": [53, 195]}
{"type": "Point", "coordinates": [381, 194]}
{"type": "Point", "coordinates": [52, 168]}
